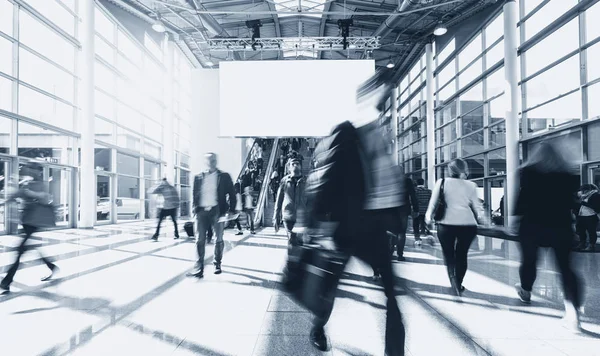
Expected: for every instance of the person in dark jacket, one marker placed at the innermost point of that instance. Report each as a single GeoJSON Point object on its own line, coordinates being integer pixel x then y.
{"type": "Point", "coordinates": [214, 197]}
{"type": "Point", "coordinates": [587, 216]}
{"type": "Point", "coordinates": [547, 191]}
{"type": "Point", "coordinates": [170, 206]}
{"type": "Point", "coordinates": [291, 201]}
{"type": "Point", "coordinates": [274, 184]}
{"type": "Point", "coordinates": [423, 196]}
{"type": "Point", "coordinates": [32, 194]}
{"type": "Point", "coordinates": [338, 190]}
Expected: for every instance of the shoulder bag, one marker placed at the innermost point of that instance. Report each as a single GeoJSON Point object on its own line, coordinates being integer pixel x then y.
{"type": "Point", "coordinates": [440, 207]}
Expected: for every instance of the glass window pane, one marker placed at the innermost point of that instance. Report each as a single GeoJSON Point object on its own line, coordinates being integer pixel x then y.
{"type": "Point", "coordinates": [470, 52]}
{"type": "Point", "coordinates": [104, 130]}
{"type": "Point", "coordinates": [546, 52]}
{"type": "Point", "coordinates": [559, 112]}
{"type": "Point", "coordinates": [45, 109]}
{"type": "Point", "coordinates": [495, 83]}
{"type": "Point", "coordinates": [448, 153]}
{"type": "Point", "coordinates": [497, 109]}
{"type": "Point", "coordinates": [104, 50]}
{"type": "Point", "coordinates": [494, 54]}
{"type": "Point", "coordinates": [6, 94]}
{"type": "Point", "coordinates": [591, 25]}
{"type": "Point", "coordinates": [104, 26]}
{"type": "Point", "coordinates": [129, 117]}
{"type": "Point", "coordinates": [45, 41]}
{"type": "Point", "coordinates": [104, 77]}
{"type": "Point", "coordinates": [476, 166]}
{"type": "Point", "coordinates": [497, 162]}
{"type": "Point", "coordinates": [103, 159]}
{"type": "Point", "coordinates": [498, 135]}
{"type": "Point", "coordinates": [475, 94]}
{"type": "Point", "coordinates": [445, 53]}
{"type": "Point", "coordinates": [151, 149]}
{"type": "Point", "coordinates": [472, 144]}
{"type": "Point", "coordinates": [447, 73]}
{"type": "Point", "coordinates": [6, 47]}
{"type": "Point", "coordinates": [494, 30]}
{"type": "Point", "coordinates": [152, 46]}
{"type": "Point", "coordinates": [128, 139]}
{"type": "Point", "coordinates": [593, 61]}
{"type": "Point", "coordinates": [104, 105]}
{"type": "Point", "coordinates": [470, 74]}
{"type": "Point", "coordinates": [46, 76]}
{"type": "Point", "coordinates": [472, 121]}
{"type": "Point", "coordinates": [550, 12]}
{"type": "Point", "coordinates": [129, 165]}
{"type": "Point", "coordinates": [128, 187]}
{"type": "Point", "coordinates": [6, 17]}
{"type": "Point", "coordinates": [448, 91]}
{"type": "Point", "coordinates": [553, 82]}
{"type": "Point", "coordinates": [54, 12]}
{"type": "Point", "coordinates": [593, 101]}
{"type": "Point", "coordinates": [39, 143]}
{"type": "Point", "coordinates": [128, 47]}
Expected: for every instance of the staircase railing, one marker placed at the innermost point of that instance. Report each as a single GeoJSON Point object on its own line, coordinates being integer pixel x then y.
{"type": "Point", "coordinates": [264, 190]}
{"type": "Point", "coordinates": [245, 163]}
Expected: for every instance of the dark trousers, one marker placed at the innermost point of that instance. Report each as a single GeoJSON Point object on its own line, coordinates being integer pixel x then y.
{"type": "Point", "coordinates": [205, 221]}
{"type": "Point", "coordinates": [399, 239]}
{"type": "Point", "coordinates": [372, 246]}
{"type": "Point", "coordinates": [419, 226]}
{"type": "Point", "coordinates": [250, 217]}
{"type": "Point", "coordinates": [162, 215]}
{"type": "Point", "coordinates": [293, 239]}
{"type": "Point", "coordinates": [559, 239]}
{"type": "Point", "coordinates": [237, 224]}
{"type": "Point", "coordinates": [455, 242]}
{"type": "Point", "coordinates": [586, 228]}
{"type": "Point", "coordinates": [29, 230]}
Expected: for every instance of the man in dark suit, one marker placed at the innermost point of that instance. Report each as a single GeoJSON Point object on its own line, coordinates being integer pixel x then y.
{"type": "Point", "coordinates": [214, 196]}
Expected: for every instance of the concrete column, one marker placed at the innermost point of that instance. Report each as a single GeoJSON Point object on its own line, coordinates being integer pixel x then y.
{"type": "Point", "coordinates": [430, 98]}
{"type": "Point", "coordinates": [86, 91]}
{"type": "Point", "coordinates": [395, 122]}
{"type": "Point", "coordinates": [511, 94]}
{"type": "Point", "coordinates": [169, 120]}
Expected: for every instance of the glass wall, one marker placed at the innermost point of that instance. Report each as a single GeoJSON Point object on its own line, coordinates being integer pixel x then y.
{"type": "Point", "coordinates": [557, 88]}
{"type": "Point", "coordinates": [38, 82]}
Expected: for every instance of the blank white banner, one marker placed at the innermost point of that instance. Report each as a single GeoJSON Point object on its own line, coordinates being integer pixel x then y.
{"type": "Point", "coordinates": [289, 98]}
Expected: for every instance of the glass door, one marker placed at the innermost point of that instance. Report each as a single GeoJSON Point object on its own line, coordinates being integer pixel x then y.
{"type": "Point", "coordinates": [104, 199]}
{"type": "Point", "coordinates": [594, 174]}
{"type": "Point", "coordinates": [4, 180]}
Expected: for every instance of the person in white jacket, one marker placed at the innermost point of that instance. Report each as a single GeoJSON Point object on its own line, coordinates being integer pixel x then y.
{"type": "Point", "coordinates": [457, 228]}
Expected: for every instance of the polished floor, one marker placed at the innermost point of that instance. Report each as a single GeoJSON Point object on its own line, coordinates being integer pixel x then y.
{"type": "Point", "coordinates": [120, 294]}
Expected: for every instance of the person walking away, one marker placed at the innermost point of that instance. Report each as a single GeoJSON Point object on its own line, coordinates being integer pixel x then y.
{"type": "Point", "coordinates": [285, 147]}
{"type": "Point", "coordinates": [295, 144]}
{"type": "Point", "coordinates": [170, 206]}
{"type": "Point", "coordinates": [548, 188]}
{"type": "Point", "coordinates": [37, 213]}
{"type": "Point", "coordinates": [587, 217]}
{"type": "Point", "coordinates": [423, 196]}
{"type": "Point", "coordinates": [409, 199]}
{"type": "Point", "coordinates": [249, 207]}
{"type": "Point", "coordinates": [238, 207]}
{"type": "Point", "coordinates": [213, 197]}
{"type": "Point", "coordinates": [291, 201]}
{"type": "Point", "coordinates": [274, 185]}
{"type": "Point", "coordinates": [458, 227]}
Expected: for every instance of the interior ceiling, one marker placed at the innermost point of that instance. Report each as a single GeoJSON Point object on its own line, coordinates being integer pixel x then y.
{"type": "Point", "coordinates": [402, 37]}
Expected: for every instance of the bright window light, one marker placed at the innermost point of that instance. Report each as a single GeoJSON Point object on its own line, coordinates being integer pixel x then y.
{"type": "Point", "coordinates": [304, 6]}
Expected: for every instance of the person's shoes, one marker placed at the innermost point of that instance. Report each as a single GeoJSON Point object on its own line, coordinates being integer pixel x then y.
{"type": "Point", "coordinates": [196, 273]}
{"type": "Point", "coordinates": [252, 232]}
{"type": "Point", "coordinates": [218, 268]}
{"type": "Point", "coordinates": [155, 238]}
{"type": "Point", "coordinates": [418, 242]}
{"type": "Point", "coordinates": [376, 277]}
{"type": "Point", "coordinates": [53, 270]}
{"type": "Point", "coordinates": [319, 340]}
{"type": "Point", "coordinates": [176, 237]}
{"type": "Point", "coordinates": [524, 295]}
{"type": "Point", "coordinates": [454, 284]}
{"type": "Point", "coordinates": [431, 241]}
{"type": "Point", "coordinates": [462, 289]}
{"type": "Point", "coordinates": [4, 289]}
{"type": "Point", "coordinates": [401, 259]}
{"type": "Point", "coordinates": [208, 241]}
{"type": "Point", "coordinates": [590, 248]}
{"type": "Point", "coordinates": [571, 318]}
{"type": "Point", "coordinates": [240, 232]}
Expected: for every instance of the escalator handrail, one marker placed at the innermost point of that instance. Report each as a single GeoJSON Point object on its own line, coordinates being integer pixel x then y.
{"type": "Point", "coordinates": [245, 163]}
{"type": "Point", "coordinates": [262, 198]}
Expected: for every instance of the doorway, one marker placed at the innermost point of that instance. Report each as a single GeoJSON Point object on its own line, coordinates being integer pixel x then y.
{"type": "Point", "coordinates": [105, 201]}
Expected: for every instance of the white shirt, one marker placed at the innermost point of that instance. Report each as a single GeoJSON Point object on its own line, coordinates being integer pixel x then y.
{"type": "Point", "coordinates": [462, 202]}
{"type": "Point", "coordinates": [209, 190]}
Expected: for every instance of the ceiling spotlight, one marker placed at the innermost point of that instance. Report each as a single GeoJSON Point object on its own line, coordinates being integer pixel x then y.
{"type": "Point", "coordinates": [158, 26]}
{"type": "Point", "coordinates": [210, 63]}
{"type": "Point", "coordinates": [390, 64]}
{"type": "Point", "coordinates": [440, 29]}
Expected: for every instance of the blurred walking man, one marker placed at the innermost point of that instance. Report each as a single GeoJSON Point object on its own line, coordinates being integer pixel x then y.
{"type": "Point", "coordinates": [170, 205]}
{"type": "Point", "coordinates": [214, 196]}
{"type": "Point", "coordinates": [291, 201]}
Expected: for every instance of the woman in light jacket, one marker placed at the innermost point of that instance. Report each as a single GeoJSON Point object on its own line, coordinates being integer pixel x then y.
{"type": "Point", "coordinates": [458, 227]}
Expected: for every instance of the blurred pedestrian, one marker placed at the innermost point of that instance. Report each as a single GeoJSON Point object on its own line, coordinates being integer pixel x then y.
{"type": "Point", "coordinates": [423, 196]}
{"type": "Point", "coordinates": [38, 212]}
{"type": "Point", "coordinates": [587, 217]}
{"type": "Point", "coordinates": [548, 187]}
{"type": "Point", "coordinates": [170, 206]}
{"type": "Point", "coordinates": [457, 228]}
{"type": "Point", "coordinates": [290, 206]}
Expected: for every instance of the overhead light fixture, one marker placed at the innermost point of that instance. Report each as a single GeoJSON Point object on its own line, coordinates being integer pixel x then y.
{"type": "Point", "coordinates": [390, 64]}
{"type": "Point", "coordinates": [210, 63]}
{"type": "Point", "coordinates": [158, 26]}
{"type": "Point", "coordinates": [440, 29]}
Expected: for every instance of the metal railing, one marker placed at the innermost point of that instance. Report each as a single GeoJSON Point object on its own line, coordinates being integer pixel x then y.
{"type": "Point", "coordinates": [264, 190]}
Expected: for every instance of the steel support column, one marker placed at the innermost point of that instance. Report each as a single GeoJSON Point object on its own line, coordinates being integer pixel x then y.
{"type": "Point", "coordinates": [169, 121]}
{"type": "Point", "coordinates": [395, 122]}
{"type": "Point", "coordinates": [86, 91]}
{"type": "Point", "coordinates": [511, 113]}
{"type": "Point", "coordinates": [430, 102]}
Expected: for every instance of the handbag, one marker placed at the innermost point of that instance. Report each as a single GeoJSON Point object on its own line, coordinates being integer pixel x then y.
{"type": "Point", "coordinates": [440, 207]}
{"type": "Point", "coordinates": [39, 215]}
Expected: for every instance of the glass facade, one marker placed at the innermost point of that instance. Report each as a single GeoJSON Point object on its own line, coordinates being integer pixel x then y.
{"type": "Point", "coordinates": [39, 102]}
{"type": "Point", "coordinates": [557, 89]}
